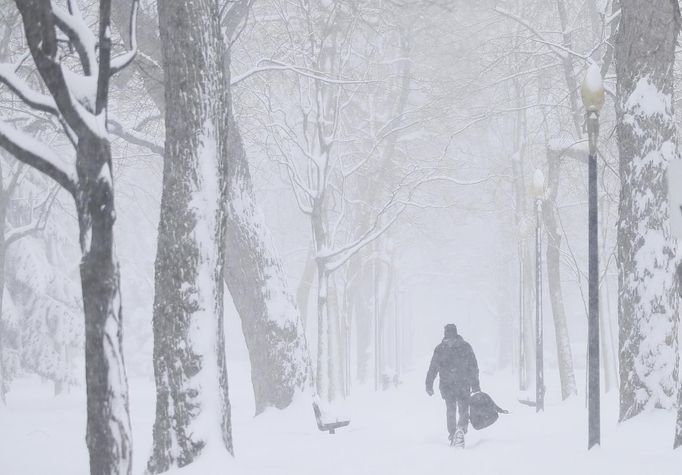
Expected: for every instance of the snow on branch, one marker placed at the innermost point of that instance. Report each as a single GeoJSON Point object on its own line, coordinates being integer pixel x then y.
{"type": "Point", "coordinates": [560, 50]}
{"type": "Point", "coordinates": [74, 27]}
{"type": "Point", "coordinates": [234, 13]}
{"type": "Point", "coordinates": [564, 146]}
{"type": "Point", "coordinates": [340, 256]}
{"type": "Point", "coordinates": [29, 150]}
{"type": "Point", "coordinates": [274, 65]}
{"type": "Point", "coordinates": [30, 97]}
{"type": "Point", "coordinates": [41, 36]}
{"type": "Point", "coordinates": [14, 234]}
{"type": "Point", "coordinates": [104, 70]}
{"type": "Point", "coordinates": [455, 181]}
{"type": "Point", "coordinates": [122, 61]}
{"type": "Point", "coordinates": [337, 257]}
{"type": "Point", "coordinates": [134, 137]}
{"type": "Point", "coordinates": [303, 194]}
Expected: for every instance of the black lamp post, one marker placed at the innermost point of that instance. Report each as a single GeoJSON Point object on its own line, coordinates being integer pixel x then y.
{"type": "Point", "coordinates": [592, 92]}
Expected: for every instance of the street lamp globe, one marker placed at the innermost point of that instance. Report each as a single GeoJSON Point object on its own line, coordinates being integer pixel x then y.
{"type": "Point", "coordinates": [592, 89]}
{"type": "Point", "coordinates": [538, 183]}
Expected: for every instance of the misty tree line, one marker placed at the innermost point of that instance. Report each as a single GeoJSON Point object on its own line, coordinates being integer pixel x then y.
{"type": "Point", "coordinates": [356, 109]}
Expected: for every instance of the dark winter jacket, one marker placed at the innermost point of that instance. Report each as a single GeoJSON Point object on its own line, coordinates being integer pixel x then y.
{"type": "Point", "coordinates": [455, 362]}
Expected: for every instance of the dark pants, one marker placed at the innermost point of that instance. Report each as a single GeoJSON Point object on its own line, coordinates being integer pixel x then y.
{"type": "Point", "coordinates": [453, 404]}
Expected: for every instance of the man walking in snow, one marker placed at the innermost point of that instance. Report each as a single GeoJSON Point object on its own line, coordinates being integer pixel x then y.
{"type": "Point", "coordinates": [455, 362]}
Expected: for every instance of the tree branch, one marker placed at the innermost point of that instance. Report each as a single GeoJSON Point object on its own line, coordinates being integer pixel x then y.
{"type": "Point", "coordinates": [275, 65]}
{"type": "Point", "coordinates": [122, 61]}
{"type": "Point", "coordinates": [30, 97]}
{"type": "Point", "coordinates": [30, 151]}
{"type": "Point", "coordinates": [104, 73]}
{"type": "Point", "coordinates": [41, 37]}
{"type": "Point", "coordinates": [135, 138]}
{"type": "Point", "coordinates": [20, 232]}
{"type": "Point", "coordinates": [75, 28]}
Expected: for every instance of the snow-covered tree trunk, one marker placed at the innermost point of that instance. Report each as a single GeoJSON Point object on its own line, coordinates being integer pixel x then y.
{"type": "Point", "coordinates": [678, 426]}
{"type": "Point", "coordinates": [677, 442]}
{"type": "Point", "coordinates": [647, 297]}
{"type": "Point", "coordinates": [280, 361]}
{"type": "Point", "coordinates": [328, 378]}
{"type": "Point", "coordinates": [107, 387]}
{"type": "Point", "coordinates": [192, 404]}
{"type": "Point", "coordinates": [323, 378]}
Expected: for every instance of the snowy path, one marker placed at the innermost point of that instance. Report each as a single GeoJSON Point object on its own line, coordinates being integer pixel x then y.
{"type": "Point", "coordinates": [392, 432]}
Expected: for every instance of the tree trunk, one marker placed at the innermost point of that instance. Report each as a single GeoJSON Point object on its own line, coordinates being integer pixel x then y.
{"type": "Point", "coordinates": [109, 436]}
{"type": "Point", "coordinates": [305, 287]}
{"type": "Point", "coordinates": [563, 343]}
{"type": "Point", "coordinates": [192, 404]}
{"type": "Point", "coordinates": [323, 355]}
{"type": "Point", "coordinates": [647, 298]}
{"type": "Point", "coordinates": [280, 361]}
{"type": "Point", "coordinates": [4, 386]}
{"type": "Point", "coordinates": [363, 325]}
{"type": "Point", "coordinates": [275, 338]}
{"type": "Point", "coordinates": [335, 361]}
{"type": "Point", "coordinates": [526, 340]}
{"type": "Point", "coordinates": [605, 348]}
{"type": "Point", "coordinates": [678, 426]}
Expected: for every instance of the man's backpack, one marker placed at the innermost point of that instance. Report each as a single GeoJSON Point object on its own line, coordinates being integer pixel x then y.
{"type": "Point", "coordinates": [483, 411]}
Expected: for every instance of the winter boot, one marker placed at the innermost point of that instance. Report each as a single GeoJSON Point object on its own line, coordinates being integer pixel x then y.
{"type": "Point", "coordinates": [458, 440]}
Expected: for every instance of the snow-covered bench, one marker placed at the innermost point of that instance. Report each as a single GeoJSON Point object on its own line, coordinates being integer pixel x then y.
{"type": "Point", "coordinates": [327, 426]}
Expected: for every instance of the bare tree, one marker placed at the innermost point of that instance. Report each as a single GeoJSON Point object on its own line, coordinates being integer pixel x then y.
{"type": "Point", "coordinates": [331, 140]}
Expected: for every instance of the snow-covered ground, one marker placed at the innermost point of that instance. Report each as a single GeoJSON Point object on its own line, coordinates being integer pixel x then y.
{"type": "Point", "coordinates": [392, 432]}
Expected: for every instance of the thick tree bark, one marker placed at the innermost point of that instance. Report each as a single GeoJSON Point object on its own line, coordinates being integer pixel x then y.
{"type": "Point", "coordinates": [192, 405]}
{"type": "Point", "coordinates": [280, 362]}
{"type": "Point", "coordinates": [647, 298]}
{"type": "Point", "coordinates": [108, 425]}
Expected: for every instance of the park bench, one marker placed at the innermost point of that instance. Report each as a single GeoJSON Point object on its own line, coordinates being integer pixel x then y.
{"type": "Point", "coordinates": [327, 426]}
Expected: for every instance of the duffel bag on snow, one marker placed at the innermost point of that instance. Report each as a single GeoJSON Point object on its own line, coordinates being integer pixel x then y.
{"type": "Point", "coordinates": [483, 411]}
